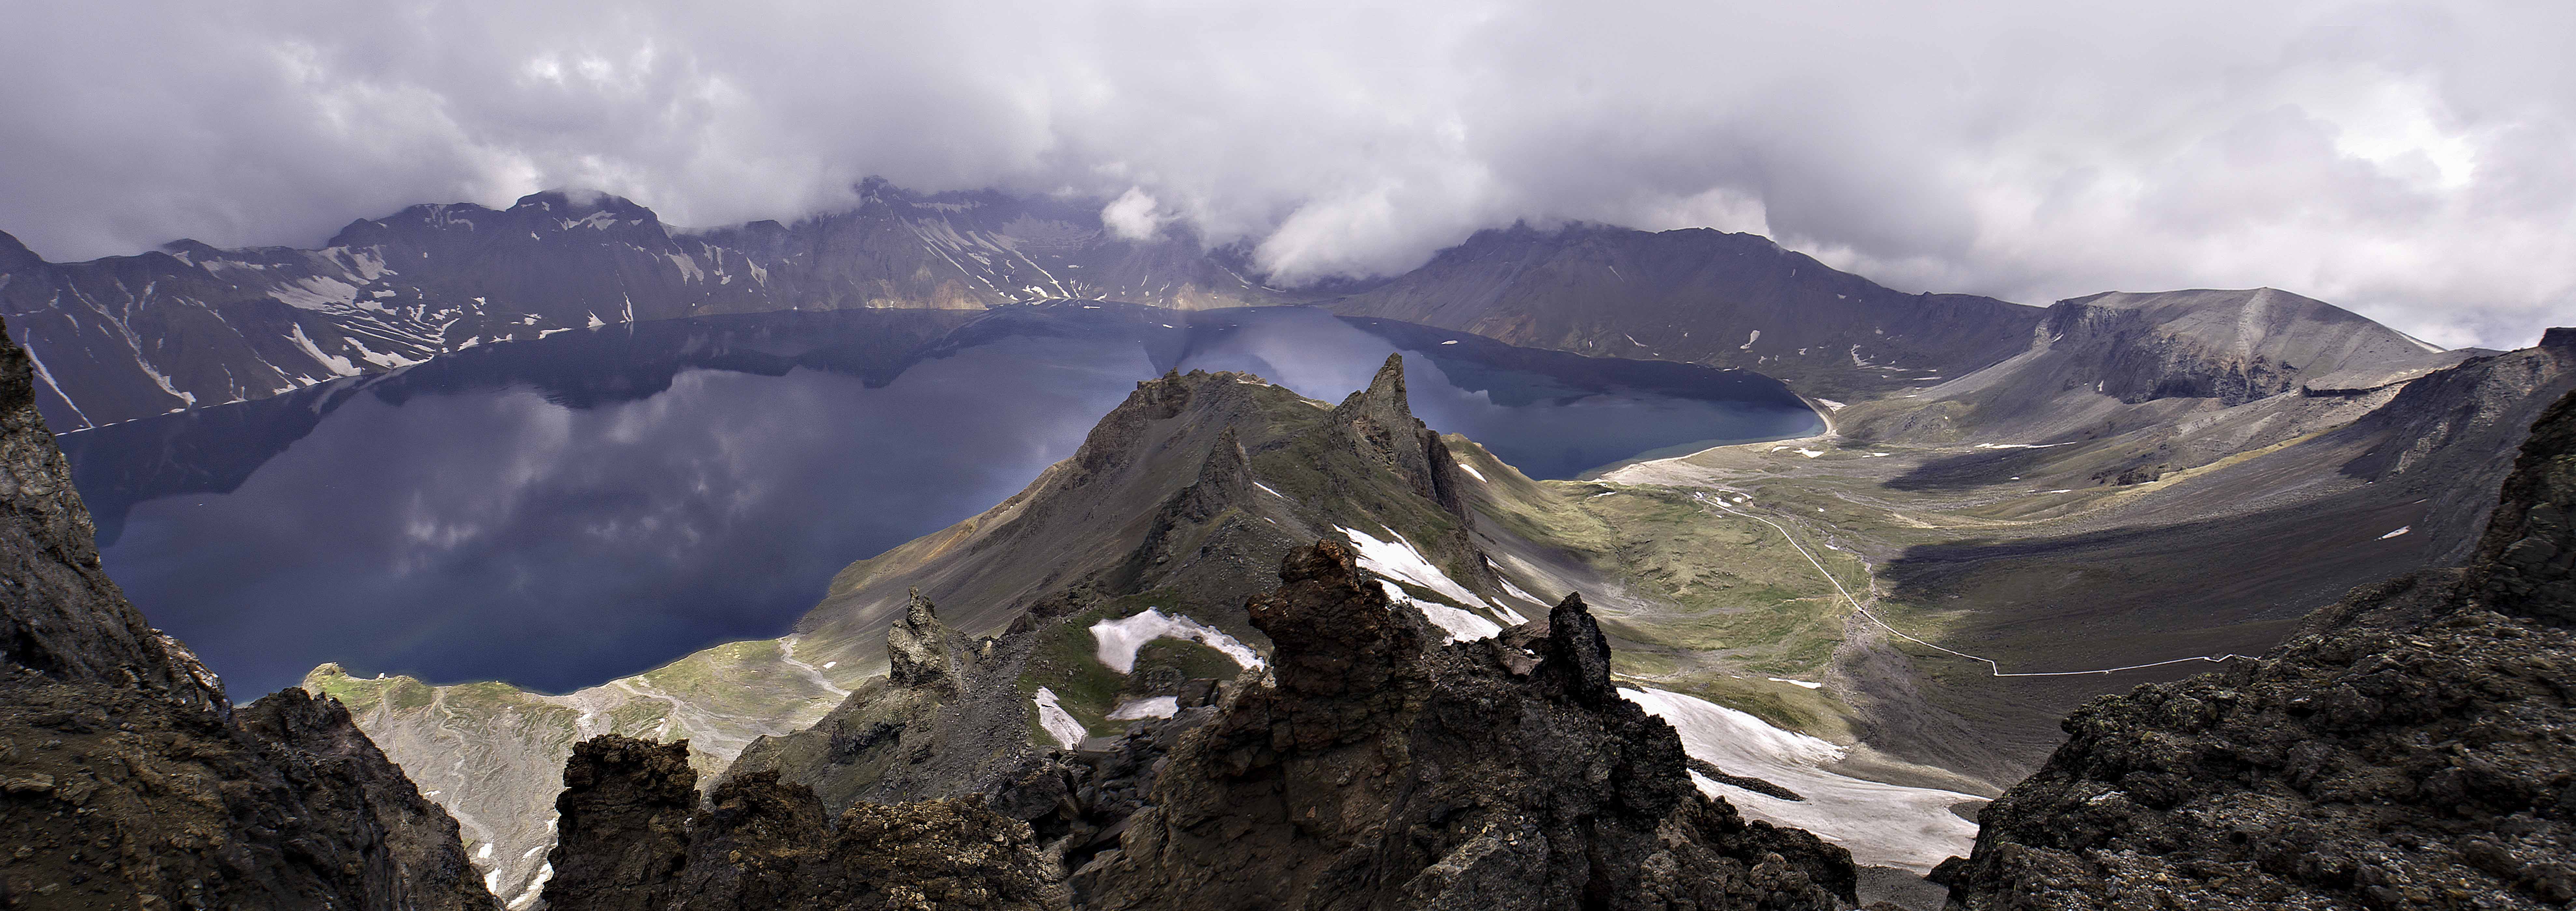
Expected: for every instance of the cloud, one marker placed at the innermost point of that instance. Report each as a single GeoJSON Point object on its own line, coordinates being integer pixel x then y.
{"type": "Point", "coordinates": [2413, 161]}
{"type": "Point", "coordinates": [1133, 215]}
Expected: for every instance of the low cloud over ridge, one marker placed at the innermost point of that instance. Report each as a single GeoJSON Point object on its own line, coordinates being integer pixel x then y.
{"type": "Point", "coordinates": [2415, 162]}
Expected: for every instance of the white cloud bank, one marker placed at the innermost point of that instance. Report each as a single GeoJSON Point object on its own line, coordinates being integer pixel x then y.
{"type": "Point", "coordinates": [2413, 161]}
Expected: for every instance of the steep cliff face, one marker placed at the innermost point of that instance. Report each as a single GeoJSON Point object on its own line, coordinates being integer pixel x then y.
{"type": "Point", "coordinates": [2411, 751]}
{"type": "Point", "coordinates": [1369, 772]}
{"type": "Point", "coordinates": [126, 778]}
{"type": "Point", "coordinates": [636, 837]}
{"type": "Point", "coordinates": [60, 615]}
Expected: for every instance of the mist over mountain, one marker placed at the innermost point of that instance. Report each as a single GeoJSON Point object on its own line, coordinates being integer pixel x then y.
{"type": "Point", "coordinates": [2409, 160]}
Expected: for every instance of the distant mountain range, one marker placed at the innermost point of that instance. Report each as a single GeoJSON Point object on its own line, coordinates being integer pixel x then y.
{"type": "Point", "coordinates": [189, 325]}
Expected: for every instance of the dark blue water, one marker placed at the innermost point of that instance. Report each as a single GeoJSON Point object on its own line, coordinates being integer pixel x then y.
{"type": "Point", "coordinates": [560, 512]}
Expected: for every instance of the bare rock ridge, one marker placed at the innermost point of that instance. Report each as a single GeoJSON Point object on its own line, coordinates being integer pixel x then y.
{"type": "Point", "coordinates": [192, 325]}
{"type": "Point", "coordinates": [189, 325]}
{"type": "Point", "coordinates": [2415, 749]}
{"type": "Point", "coordinates": [1371, 773]}
{"type": "Point", "coordinates": [1193, 488]}
{"type": "Point", "coordinates": [126, 777]}
{"type": "Point", "coordinates": [1709, 297]}
{"type": "Point", "coordinates": [1367, 771]}
{"type": "Point", "coordinates": [2233, 346]}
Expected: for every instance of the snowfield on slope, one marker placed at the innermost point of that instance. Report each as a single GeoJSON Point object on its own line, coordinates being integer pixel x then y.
{"type": "Point", "coordinates": [1454, 624]}
{"type": "Point", "coordinates": [1883, 825]}
{"type": "Point", "coordinates": [1398, 560]}
{"type": "Point", "coordinates": [1119, 639]}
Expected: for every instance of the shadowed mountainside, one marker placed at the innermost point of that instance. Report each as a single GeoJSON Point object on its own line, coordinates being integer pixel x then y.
{"type": "Point", "coordinates": [2408, 751]}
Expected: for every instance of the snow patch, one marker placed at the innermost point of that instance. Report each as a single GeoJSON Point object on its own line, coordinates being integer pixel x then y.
{"type": "Point", "coordinates": [1454, 624]}
{"type": "Point", "coordinates": [1058, 723]}
{"type": "Point", "coordinates": [1119, 639]}
{"type": "Point", "coordinates": [1830, 405]}
{"type": "Point", "coordinates": [1472, 472]}
{"type": "Point", "coordinates": [2021, 445]}
{"type": "Point", "coordinates": [2400, 530]}
{"type": "Point", "coordinates": [1804, 683]}
{"type": "Point", "coordinates": [339, 365]}
{"type": "Point", "coordinates": [535, 888]}
{"type": "Point", "coordinates": [1450, 342]}
{"type": "Point", "coordinates": [317, 293]}
{"type": "Point", "coordinates": [1397, 559]}
{"type": "Point", "coordinates": [1156, 707]}
{"type": "Point", "coordinates": [1881, 824]}
{"type": "Point", "coordinates": [1748, 342]}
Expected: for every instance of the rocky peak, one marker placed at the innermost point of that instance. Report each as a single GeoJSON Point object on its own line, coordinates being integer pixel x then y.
{"type": "Point", "coordinates": [1378, 424]}
{"type": "Point", "coordinates": [1112, 442]}
{"type": "Point", "coordinates": [623, 821]}
{"type": "Point", "coordinates": [923, 653]}
{"type": "Point", "coordinates": [1574, 659]}
{"type": "Point", "coordinates": [2558, 337]}
{"type": "Point", "coordinates": [1345, 659]}
{"type": "Point", "coordinates": [15, 255]}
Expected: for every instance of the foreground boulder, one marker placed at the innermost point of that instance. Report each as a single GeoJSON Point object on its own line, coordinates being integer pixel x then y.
{"type": "Point", "coordinates": [1371, 773]}
{"type": "Point", "coordinates": [2416, 749]}
{"type": "Point", "coordinates": [128, 780]}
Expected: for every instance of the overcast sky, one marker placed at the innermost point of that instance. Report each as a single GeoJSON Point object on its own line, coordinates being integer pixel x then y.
{"type": "Point", "coordinates": [2412, 161]}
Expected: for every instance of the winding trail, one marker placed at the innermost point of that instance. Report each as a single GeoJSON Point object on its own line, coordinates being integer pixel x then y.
{"type": "Point", "coordinates": [1996, 669]}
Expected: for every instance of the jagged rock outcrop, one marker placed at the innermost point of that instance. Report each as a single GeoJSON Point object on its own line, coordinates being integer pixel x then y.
{"type": "Point", "coordinates": [128, 780]}
{"type": "Point", "coordinates": [1369, 773]}
{"type": "Point", "coordinates": [923, 653]}
{"type": "Point", "coordinates": [2415, 749]}
{"type": "Point", "coordinates": [635, 837]}
{"type": "Point", "coordinates": [947, 721]}
{"type": "Point", "coordinates": [1378, 424]}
